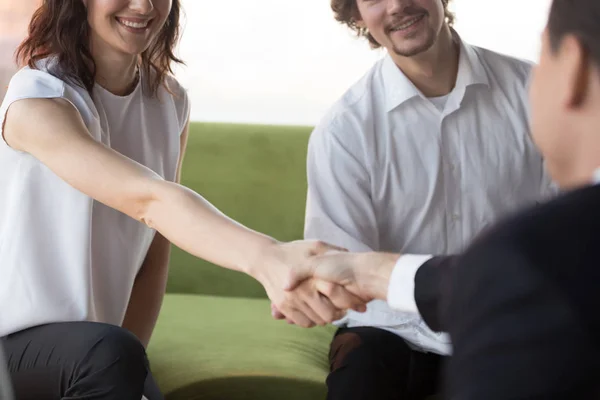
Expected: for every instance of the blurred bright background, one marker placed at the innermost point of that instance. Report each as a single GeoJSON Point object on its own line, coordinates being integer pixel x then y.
{"type": "Point", "coordinates": [286, 62]}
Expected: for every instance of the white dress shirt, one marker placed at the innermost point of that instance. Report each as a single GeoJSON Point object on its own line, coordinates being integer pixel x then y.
{"type": "Point", "coordinates": [597, 176]}
{"type": "Point", "coordinates": [391, 170]}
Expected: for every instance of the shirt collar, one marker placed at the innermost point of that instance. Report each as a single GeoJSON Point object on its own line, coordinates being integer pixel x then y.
{"type": "Point", "coordinates": [597, 177]}
{"type": "Point", "coordinates": [399, 89]}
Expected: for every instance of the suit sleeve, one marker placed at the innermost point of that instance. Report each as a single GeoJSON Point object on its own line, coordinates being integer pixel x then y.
{"type": "Point", "coordinates": [514, 334]}
{"type": "Point", "coordinates": [432, 286]}
{"type": "Point", "coordinates": [417, 284]}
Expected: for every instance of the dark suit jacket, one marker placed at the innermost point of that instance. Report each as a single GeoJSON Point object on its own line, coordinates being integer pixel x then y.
{"type": "Point", "coordinates": [522, 305]}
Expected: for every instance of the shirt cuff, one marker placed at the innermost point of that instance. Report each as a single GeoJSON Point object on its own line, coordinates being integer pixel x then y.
{"type": "Point", "coordinates": [401, 290]}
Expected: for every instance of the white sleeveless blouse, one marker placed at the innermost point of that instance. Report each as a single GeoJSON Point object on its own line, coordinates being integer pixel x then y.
{"type": "Point", "coordinates": [64, 256]}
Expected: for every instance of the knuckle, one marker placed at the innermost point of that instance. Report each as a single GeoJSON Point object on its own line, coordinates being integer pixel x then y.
{"type": "Point", "coordinates": [305, 324]}
{"type": "Point", "coordinates": [331, 316]}
{"type": "Point", "coordinates": [288, 299]}
{"type": "Point", "coordinates": [279, 305]}
{"type": "Point", "coordinates": [327, 288]}
{"type": "Point", "coordinates": [284, 307]}
{"type": "Point", "coordinates": [356, 302]}
{"type": "Point", "coordinates": [304, 291]}
{"type": "Point", "coordinates": [323, 319]}
{"type": "Point", "coordinates": [348, 298]}
{"type": "Point", "coordinates": [347, 302]}
{"type": "Point", "coordinates": [339, 315]}
{"type": "Point", "coordinates": [321, 247]}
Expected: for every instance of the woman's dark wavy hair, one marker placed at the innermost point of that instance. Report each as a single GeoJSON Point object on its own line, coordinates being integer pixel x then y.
{"type": "Point", "coordinates": [59, 28]}
{"type": "Point", "coordinates": [345, 11]}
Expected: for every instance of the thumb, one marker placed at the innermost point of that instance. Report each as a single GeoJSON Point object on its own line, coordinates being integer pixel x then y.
{"type": "Point", "coordinates": [296, 277]}
{"type": "Point", "coordinates": [307, 269]}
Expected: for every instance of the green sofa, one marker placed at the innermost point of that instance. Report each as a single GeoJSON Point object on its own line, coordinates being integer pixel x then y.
{"type": "Point", "coordinates": [215, 338]}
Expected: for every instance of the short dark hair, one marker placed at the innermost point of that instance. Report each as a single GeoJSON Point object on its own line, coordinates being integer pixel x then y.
{"type": "Point", "coordinates": [59, 28]}
{"type": "Point", "coordinates": [345, 11]}
{"type": "Point", "coordinates": [576, 17]}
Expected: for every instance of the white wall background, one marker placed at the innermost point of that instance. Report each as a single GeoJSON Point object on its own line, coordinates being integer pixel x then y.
{"type": "Point", "coordinates": [285, 62]}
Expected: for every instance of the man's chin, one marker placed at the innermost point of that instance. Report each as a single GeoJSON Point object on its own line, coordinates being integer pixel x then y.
{"type": "Point", "coordinates": [413, 46]}
{"type": "Point", "coordinates": [411, 51]}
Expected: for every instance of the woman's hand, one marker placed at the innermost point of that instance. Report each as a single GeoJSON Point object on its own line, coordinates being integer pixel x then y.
{"type": "Point", "coordinates": [306, 306]}
{"type": "Point", "coordinates": [340, 298]}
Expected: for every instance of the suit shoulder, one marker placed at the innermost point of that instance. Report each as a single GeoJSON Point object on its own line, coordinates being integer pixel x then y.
{"type": "Point", "coordinates": [577, 206]}
{"type": "Point", "coordinates": [555, 242]}
{"type": "Point", "coordinates": [568, 221]}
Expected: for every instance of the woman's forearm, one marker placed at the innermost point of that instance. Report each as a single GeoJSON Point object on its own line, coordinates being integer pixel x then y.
{"type": "Point", "coordinates": [181, 215]}
{"type": "Point", "coordinates": [194, 225]}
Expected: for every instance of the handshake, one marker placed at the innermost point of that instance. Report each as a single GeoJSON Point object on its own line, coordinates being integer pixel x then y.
{"type": "Point", "coordinates": [313, 283]}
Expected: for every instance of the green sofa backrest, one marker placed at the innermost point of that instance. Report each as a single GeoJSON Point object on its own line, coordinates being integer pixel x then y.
{"type": "Point", "coordinates": [254, 174]}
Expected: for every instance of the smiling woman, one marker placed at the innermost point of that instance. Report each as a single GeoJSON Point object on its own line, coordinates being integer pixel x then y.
{"type": "Point", "coordinates": [94, 129]}
{"type": "Point", "coordinates": [64, 27]}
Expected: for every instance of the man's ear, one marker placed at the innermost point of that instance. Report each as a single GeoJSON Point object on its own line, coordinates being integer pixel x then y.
{"type": "Point", "coordinates": [360, 23]}
{"type": "Point", "coordinates": [575, 68]}
{"type": "Point", "coordinates": [357, 18]}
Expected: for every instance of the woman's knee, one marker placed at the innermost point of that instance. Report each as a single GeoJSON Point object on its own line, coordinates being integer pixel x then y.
{"type": "Point", "coordinates": [114, 344]}
{"type": "Point", "coordinates": [79, 358]}
{"type": "Point", "coordinates": [112, 348]}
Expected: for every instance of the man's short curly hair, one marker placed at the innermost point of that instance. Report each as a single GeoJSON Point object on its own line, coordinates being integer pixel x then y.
{"type": "Point", "coordinates": [346, 10]}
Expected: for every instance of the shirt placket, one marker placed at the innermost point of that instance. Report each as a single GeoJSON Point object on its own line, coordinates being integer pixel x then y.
{"type": "Point", "coordinates": [451, 172]}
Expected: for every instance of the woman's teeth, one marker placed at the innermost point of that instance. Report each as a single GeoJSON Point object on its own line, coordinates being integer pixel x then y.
{"type": "Point", "coordinates": [136, 25]}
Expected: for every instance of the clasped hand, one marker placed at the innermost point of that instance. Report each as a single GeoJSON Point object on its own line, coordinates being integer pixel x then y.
{"type": "Point", "coordinates": [310, 301]}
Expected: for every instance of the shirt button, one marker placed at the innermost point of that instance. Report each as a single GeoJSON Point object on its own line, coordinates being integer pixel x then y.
{"type": "Point", "coordinates": [455, 217]}
{"type": "Point", "coordinates": [452, 167]}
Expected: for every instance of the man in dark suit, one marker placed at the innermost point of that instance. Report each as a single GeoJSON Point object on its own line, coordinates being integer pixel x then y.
{"type": "Point", "coordinates": [521, 304]}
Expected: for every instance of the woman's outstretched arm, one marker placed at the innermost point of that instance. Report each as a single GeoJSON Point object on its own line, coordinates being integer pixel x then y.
{"type": "Point", "coordinates": [52, 131]}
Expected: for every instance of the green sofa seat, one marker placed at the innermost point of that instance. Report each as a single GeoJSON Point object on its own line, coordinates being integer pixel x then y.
{"type": "Point", "coordinates": [211, 348]}
{"type": "Point", "coordinates": [215, 337]}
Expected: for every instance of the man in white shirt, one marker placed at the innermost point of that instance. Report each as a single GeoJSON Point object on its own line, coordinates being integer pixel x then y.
{"type": "Point", "coordinates": [521, 303]}
{"type": "Point", "coordinates": [428, 148]}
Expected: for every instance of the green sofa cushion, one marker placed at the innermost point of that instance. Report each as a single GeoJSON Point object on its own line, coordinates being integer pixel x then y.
{"type": "Point", "coordinates": [230, 348]}
{"type": "Point", "coordinates": [256, 175]}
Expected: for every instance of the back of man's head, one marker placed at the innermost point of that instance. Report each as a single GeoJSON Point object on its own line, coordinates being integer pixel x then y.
{"type": "Point", "coordinates": [576, 17]}
{"type": "Point", "coordinates": [565, 92]}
